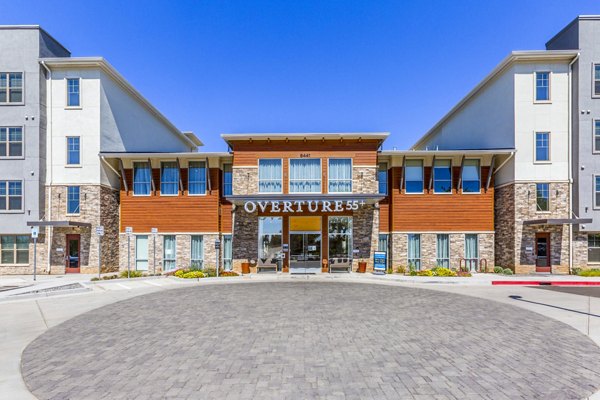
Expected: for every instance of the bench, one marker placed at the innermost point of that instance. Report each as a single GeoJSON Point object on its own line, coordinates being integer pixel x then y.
{"type": "Point", "coordinates": [263, 265]}
{"type": "Point", "coordinates": [340, 264]}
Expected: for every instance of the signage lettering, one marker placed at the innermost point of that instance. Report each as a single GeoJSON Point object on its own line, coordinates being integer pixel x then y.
{"type": "Point", "coordinates": [313, 206]}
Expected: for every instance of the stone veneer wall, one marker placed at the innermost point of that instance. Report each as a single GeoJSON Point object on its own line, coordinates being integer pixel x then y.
{"type": "Point", "coordinates": [580, 251]}
{"type": "Point", "coordinates": [364, 180]}
{"type": "Point", "coordinates": [183, 254]}
{"type": "Point", "coordinates": [99, 205]}
{"type": "Point", "coordinates": [365, 235]}
{"type": "Point", "coordinates": [515, 203]}
{"type": "Point", "coordinates": [245, 180]}
{"type": "Point", "coordinates": [429, 250]}
{"type": "Point", "coordinates": [245, 238]}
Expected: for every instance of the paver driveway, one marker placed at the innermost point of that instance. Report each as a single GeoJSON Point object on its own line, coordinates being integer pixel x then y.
{"type": "Point", "coordinates": [309, 339]}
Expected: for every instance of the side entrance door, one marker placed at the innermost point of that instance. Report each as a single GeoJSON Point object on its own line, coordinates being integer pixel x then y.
{"type": "Point", "coordinates": [542, 252]}
{"type": "Point", "coordinates": [305, 253]}
{"type": "Point", "coordinates": [72, 254]}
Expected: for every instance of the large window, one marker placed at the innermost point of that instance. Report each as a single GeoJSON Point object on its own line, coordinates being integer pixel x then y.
{"type": "Point", "coordinates": [11, 87]}
{"type": "Point", "coordinates": [269, 175]}
{"type": "Point", "coordinates": [197, 177]}
{"type": "Point", "coordinates": [305, 175]}
{"type": "Point", "coordinates": [169, 252]}
{"type": "Point", "coordinates": [227, 180]}
{"type": "Point", "coordinates": [270, 233]}
{"type": "Point", "coordinates": [383, 244]}
{"type": "Point", "coordinates": [471, 182]}
{"type": "Point", "coordinates": [73, 197]}
{"type": "Point", "coordinates": [73, 97]}
{"type": "Point", "coordinates": [11, 195]}
{"type": "Point", "coordinates": [596, 191]}
{"type": "Point", "coordinates": [542, 86]}
{"type": "Point", "coordinates": [73, 150]}
{"type": "Point", "coordinates": [382, 178]}
{"type": "Point", "coordinates": [340, 239]}
{"type": "Point", "coordinates": [169, 178]}
{"type": "Point", "coordinates": [596, 79]}
{"type": "Point", "coordinates": [11, 142]}
{"type": "Point", "coordinates": [340, 175]}
{"type": "Point", "coordinates": [471, 252]}
{"type": "Point", "coordinates": [442, 176]}
{"type": "Point", "coordinates": [594, 247]}
{"type": "Point", "coordinates": [542, 195]}
{"type": "Point", "coordinates": [227, 253]}
{"type": "Point", "coordinates": [141, 253]}
{"type": "Point", "coordinates": [414, 251]}
{"type": "Point", "coordinates": [141, 178]}
{"type": "Point", "coordinates": [597, 135]}
{"type": "Point", "coordinates": [542, 146]}
{"type": "Point", "coordinates": [443, 250]}
{"type": "Point", "coordinates": [414, 176]}
{"type": "Point", "coordinates": [14, 249]}
{"type": "Point", "coordinates": [197, 256]}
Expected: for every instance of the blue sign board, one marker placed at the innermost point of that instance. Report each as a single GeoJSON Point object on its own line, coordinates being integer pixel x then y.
{"type": "Point", "coordinates": [379, 261]}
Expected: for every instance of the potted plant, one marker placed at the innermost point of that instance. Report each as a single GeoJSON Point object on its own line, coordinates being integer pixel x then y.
{"type": "Point", "coordinates": [362, 267]}
{"type": "Point", "coordinates": [246, 267]}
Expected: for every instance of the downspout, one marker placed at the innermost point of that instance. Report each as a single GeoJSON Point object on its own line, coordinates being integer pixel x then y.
{"type": "Point", "coordinates": [49, 155]}
{"type": "Point", "coordinates": [570, 160]}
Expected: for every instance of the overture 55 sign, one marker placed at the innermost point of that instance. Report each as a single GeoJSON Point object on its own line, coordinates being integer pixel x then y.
{"type": "Point", "coordinates": [298, 206]}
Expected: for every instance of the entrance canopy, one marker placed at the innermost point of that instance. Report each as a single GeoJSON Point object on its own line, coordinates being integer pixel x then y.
{"type": "Point", "coordinates": [558, 221]}
{"type": "Point", "coordinates": [60, 224]}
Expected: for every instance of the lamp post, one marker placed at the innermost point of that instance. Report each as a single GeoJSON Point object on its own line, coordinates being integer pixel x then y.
{"type": "Point", "coordinates": [128, 231]}
{"type": "Point", "coordinates": [35, 231]}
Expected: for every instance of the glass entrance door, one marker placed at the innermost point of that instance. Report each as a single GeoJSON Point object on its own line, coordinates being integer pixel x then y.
{"type": "Point", "coordinates": [305, 253]}
{"type": "Point", "coordinates": [72, 254]}
{"type": "Point", "coordinates": [542, 252]}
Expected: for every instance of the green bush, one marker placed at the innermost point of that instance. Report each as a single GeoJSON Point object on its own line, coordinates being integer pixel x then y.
{"type": "Point", "coordinates": [498, 270]}
{"type": "Point", "coordinates": [401, 269]}
{"type": "Point", "coordinates": [109, 277]}
{"type": "Point", "coordinates": [132, 274]}
{"type": "Point", "coordinates": [440, 271]}
{"type": "Point", "coordinates": [576, 270]}
{"type": "Point", "coordinates": [228, 273]}
{"type": "Point", "coordinates": [193, 275]}
{"type": "Point", "coordinates": [425, 272]}
{"type": "Point", "coordinates": [210, 272]}
{"type": "Point", "coordinates": [94, 279]}
{"type": "Point", "coordinates": [507, 271]}
{"type": "Point", "coordinates": [413, 273]}
{"type": "Point", "coordinates": [590, 272]}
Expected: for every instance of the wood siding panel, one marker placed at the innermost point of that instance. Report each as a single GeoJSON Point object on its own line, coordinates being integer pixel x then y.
{"type": "Point", "coordinates": [181, 213]}
{"type": "Point", "coordinates": [441, 212]}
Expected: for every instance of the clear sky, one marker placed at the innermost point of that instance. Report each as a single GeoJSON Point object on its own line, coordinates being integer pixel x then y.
{"type": "Point", "coordinates": [301, 66]}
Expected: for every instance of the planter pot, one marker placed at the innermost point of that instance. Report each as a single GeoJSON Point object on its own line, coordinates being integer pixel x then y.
{"type": "Point", "coordinates": [362, 267]}
{"type": "Point", "coordinates": [245, 268]}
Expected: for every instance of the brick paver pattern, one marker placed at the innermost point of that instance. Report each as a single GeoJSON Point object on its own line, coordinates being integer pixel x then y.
{"type": "Point", "coordinates": [302, 340]}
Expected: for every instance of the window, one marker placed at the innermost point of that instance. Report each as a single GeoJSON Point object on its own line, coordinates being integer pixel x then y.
{"type": "Point", "coordinates": [383, 245]}
{"type": "Point", "coordinates": [73, 200]}
{"type": "Point", "coordinates": [169, 252]}
{"type": "Point", "coordinates": [542, 196]}
{"type": "Point", "coordinates": [141, 178]}
{"type": "Point", "coordinates": [382, 178]}
{"type": "Point", "coordinates": [340, 175]}
{"type": "Point", "coordinates": [73, 98]}
{"type": "Point", "coordinates": [470, 177]}
{"type": "Point", "coordinates": [305, 175]}
{"type": "Point", "coordinates": [11, 195]}
{"type": "Point", "coordinates": [340, 239]}
{"type": "Point", "coordinates": [73, 150]}
{"type": "Point", "coordinates": [597, 135]}
{"type": "Point", "coordinates": [269, 176]}
{"type": "Point", "coordinates": [414, 176]}
{"type": "Point", "coordinates": [227, 180]}
{"type": "Point", "coordinates": [270, 233]}
{"type": "Point", "coordinates": [542, 86]}
{"type": "Point", "coordinates": [14, 249]}
{"type": "Point", "coordinates": [471, 252]}
{"type": "Point", "coordinates": [197, 256]}
{"type": "Point", "coordinates": [11, 87]}
{"type": "Point", "coordinates": [227, 253]}
{"type": "Point", "coordinates": [443, 250]}
{"type": "Point", "coordinates": [442, 176]}
{"type": "Point", "coordinates": [141, 253]}
{"type": "Point", "coordinates": [596, 79]}
{"type": "Point", "coordinates": [542, 146]}
{"type": "Point", "coordinates": [594, 247]}
{"type": "Point", "coordinates": [11, 142]}
{"type": "Point", "coordinates": [169, 178]}
{"type": "Point", "coordinates": [414, 251]}
{"type": "Point", "coordinates": [197, 177]}
{"type": "Point", "coordinates": [596, 192]}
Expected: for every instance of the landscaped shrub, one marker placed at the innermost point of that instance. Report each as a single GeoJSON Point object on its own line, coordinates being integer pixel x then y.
{"type": "Point", "coordinates": [465, 274]}
{"type": "Point", "coordinates": [507, 271]}
{"type": "Point", "coordinates": [440, 271]}
{"type": "Point", "coordinates": [425, 272]}
{"type": "Point", "coordinates": [94, 279]}
{"type": "Point", "coordinates": [576, 270]}
{"type": "Point", "coordinates": [131, 274]}
{"type": "Point", "coordinates": [210, 272]}
{"type": "Point", "coordinates": [498, 270]}
{"type": "Point", "coordinates": [228, 273]}
{"type": "Point", "coordinates": [401, 269]}
{"type": "Point", "coordinates": [590, 272]}
{"type": "Point", "coordinates": [109, 277]}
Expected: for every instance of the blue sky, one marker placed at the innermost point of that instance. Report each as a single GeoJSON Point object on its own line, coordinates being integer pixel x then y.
{"type": "Point", "coordinates": [301, 66]}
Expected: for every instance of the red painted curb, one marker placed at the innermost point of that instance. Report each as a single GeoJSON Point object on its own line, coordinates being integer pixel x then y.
{"type": "Point", "coordinates": [550, 283]}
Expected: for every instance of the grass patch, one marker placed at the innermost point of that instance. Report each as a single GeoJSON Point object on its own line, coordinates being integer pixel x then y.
{"type": "Point", "coordinates": [589, 272]}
